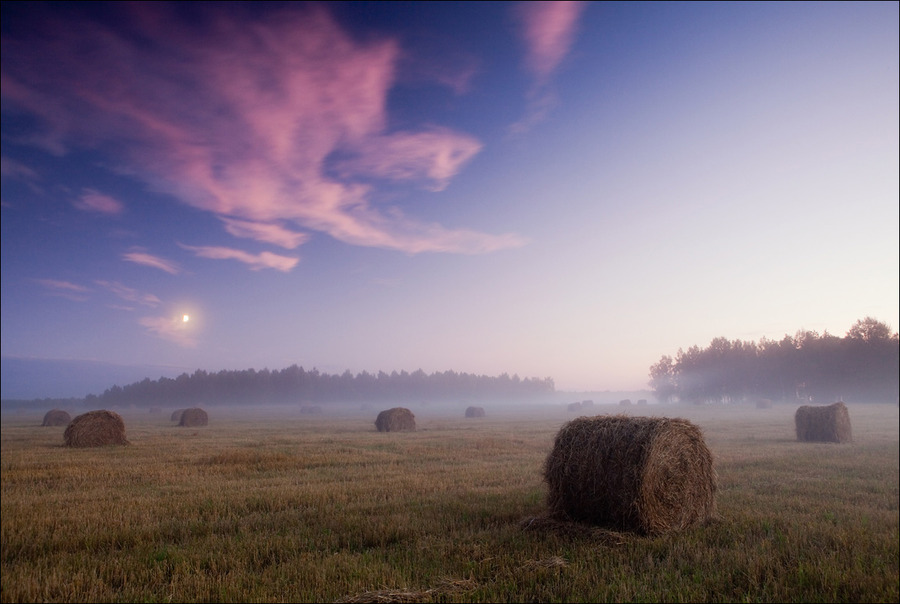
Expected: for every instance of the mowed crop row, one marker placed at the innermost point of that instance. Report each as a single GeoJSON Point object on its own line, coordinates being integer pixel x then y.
{"type": "Point", "coordinates": [299, 507]}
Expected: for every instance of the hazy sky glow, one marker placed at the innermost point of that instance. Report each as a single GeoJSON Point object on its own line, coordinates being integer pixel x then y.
{"type": "Point", "coordinates": [560, 189]}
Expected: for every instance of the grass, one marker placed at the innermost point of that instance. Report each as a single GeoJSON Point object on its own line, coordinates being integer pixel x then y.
{"type": "Point", "coordinates": [326, 509]}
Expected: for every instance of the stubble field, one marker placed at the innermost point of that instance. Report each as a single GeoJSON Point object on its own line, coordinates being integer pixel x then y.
{"type": "Point", "coordinates": [265, 507]}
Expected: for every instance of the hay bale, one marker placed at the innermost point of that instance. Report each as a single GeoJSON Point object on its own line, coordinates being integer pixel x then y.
{"type": "Point", "coordinates": [642, 401]}
{"type": "Point", "coordinates": [398, 419]}
{"type": "Point", "coordinates": [764, 403]}
{"type": "Point", "coordinates": [574, 407]}
{"type": "Point", "coordinates": [311, 410]}
{"type": "Point", "coordinates": [195, 416]}
{"type": "Point", "coordinates": [475, 412]}
{"type": "Point", "coordinates": [625, 402]}
{"type": "Point", "coordinates": [823, 423]}
{"type": "Point", "coordinates": [56, 417]}
{"type": "Point", "coordinates": [648, 475]}
{"type": "Point", "coordinates": [155, 410]}
{"type": "Point", "coordinates": [176, 415]}
{"type": "Point", "coordinates": [95, 429]}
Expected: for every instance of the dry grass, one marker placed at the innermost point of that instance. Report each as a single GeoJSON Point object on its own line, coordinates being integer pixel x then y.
{"type": "Point", "coordinates": [95, 429]}
{"type": "Point", "coordinates": [647, 474]}
{"type": "Point", "coordinates": [193, 417]}
{"type": "Point", "coordinates": [56, 417]}
{"type": "Point", "coordinates": [826, 423]}
{"type": "Point", "coordinates": [398, 419]}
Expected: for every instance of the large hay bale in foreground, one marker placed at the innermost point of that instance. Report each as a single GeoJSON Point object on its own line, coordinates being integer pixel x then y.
{"type": "Point", "coordinates": [475, 412]}
{"type": "Point", "coordinates": [56, 417]}
{"type": "Point", "coordinates": [176, 415]}
{"type": "Point", "coordinates": [195, 416]}
{"type": "Point", "coordinates": [823, 423]}
{"type": "Point", "coordinates": [398, 419]}
{"type": "Point", "coordinates": [649, 475]}
{"type": "Point", "coordinates": [95, 429]}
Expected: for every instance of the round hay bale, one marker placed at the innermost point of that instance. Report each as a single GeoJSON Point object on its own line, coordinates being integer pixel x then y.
{"type": "Point", "coordinates": [823, 423]}
{"type": "Point", "coordinates": [56, 417]}
{"type": "Point", "coordinates": [764, 403]}
{"type": "Point", "coordinates": [311, 410]}
{"type": "Point", "coordinates": [176, 415]}
{"type": "Point", "coordinates": [574, 407]}
{"type": "Point", "coordinates": [642, 401]}
{"type": "Point", "coordinates": [475, 412]}
{"type": "Point", "coordinates": [625, 402]}
{"type": "Point", "coordinates": [648, 475]}
{"type": "Point", "coordinates": [195, 416]}
{"type": "Point", "coordinates": [398, 419]}
{"type": "Point", "coordinates": [95, 429]}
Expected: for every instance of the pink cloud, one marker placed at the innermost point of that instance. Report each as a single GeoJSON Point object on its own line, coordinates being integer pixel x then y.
{"type": "Point", "coordinates": [255, 261]}
{"type": "Point", "coordinates": [171, 329]}
{"type": "Point", "coordinates": [94, 201]}
{"type": "Point", "coordinates": [152, 261]}
{"type": "Point", "coordinates": [241, 120]}
{"type": "Point", "coordinates": [548, 29]}
{"type": "Point", "coordinates": [129, 294]}
{"type": "Point", "coordinates": [65, 289]}
{"type": "Point", "coordinates": [262, 231]}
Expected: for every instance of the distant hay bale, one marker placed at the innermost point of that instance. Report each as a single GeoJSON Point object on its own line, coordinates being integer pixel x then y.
{"type": "Point", "coordinates": [764, 403]}
{"type": "Point", "coordinates": [195, 416]}
{"type": "Point", "coordinates": [587, 403]}
{"type": "Point", "coordinates": [176, 415]}
{"type": "Point", "coordinates": [823, 423]}
{"type": "Point", "coordinates": [56, 417]}
{"type": "Point", "coordinates": [155, 410]}
{"type": "Point", "coordinates": [398, 419]}
{"type": "Point", "coordinates": [95, 429]}
{"type": "Point", "coordinates": [642, 401]}
{"type": "Point", "coordinates": [575, 407]}
{"type": "Point", "coordinates": [625, 402]}
{"type": "Point", "coordinates": [310, 409]}
{"type": "Point", "coordinates": [648, 475]}
{"type": "Point", "coordinates": [475, 412]}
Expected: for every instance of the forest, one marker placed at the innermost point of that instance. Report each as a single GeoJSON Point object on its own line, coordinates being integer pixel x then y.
{"type": "Point", "coordinates": [862, 366]}
{"type": "Point", "coordinates": [297, 385]}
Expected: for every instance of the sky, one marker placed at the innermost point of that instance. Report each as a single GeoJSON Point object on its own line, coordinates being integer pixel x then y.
{"type": "Point", "coordinates": [544, 189]}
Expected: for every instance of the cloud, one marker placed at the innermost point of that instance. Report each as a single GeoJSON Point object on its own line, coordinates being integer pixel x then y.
{"type": "Point", "coordinates": [94, 201]}
{"type": "Point", "coordinates": [263, 121]}
{"type": "Point", "coordinates": [171, 329]}
{"type": "Point", "coordinates": [11, 168]}
{"type": "Point", "coordinates": [264, 231]}
{"type": "Point", "coordinates": [548, 29]}
{"type": "Point", "coordinates": [152, 261]}
{"type": "Point", "coordinates": [65, 289]}
{"type": "Point", "coordinates": [128, 294]}
{"type": "Point", "coordinates": [255, 261]}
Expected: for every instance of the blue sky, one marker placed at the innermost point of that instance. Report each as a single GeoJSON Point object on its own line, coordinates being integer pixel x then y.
{"type": "Point", "coordinates": [566, 190]}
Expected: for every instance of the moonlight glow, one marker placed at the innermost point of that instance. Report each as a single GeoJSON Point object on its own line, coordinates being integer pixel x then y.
{"type": "Point", "coordinates": [185, 318]}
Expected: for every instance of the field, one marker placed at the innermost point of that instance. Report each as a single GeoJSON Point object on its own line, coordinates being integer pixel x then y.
{"type": "Point", "coordinates": [258, 507]}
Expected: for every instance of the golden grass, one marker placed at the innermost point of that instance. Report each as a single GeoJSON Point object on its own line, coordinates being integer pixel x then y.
{"type": "Point", "coordinates": [325, 509]}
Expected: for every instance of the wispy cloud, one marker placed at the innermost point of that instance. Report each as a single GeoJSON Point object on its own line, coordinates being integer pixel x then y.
{"type": "Point", "coordinates": [152, 261]}
{"type": "Point", "coordinates": [254, 261]}
{"type": "Point", "coordinates": [245, 119]}
{"type": "Point", "coordinates": [264, 231]}
{"type": "Point", "coordinates": [94, 201]}
{"type": "Point", "coordinates": [171, 329]}
{"type": "Point", "coordinates": [11, 168]}
{"type": "Point", "coordinates": [129, 294]}
{"type": "Point", "coordinates": [548, 29]}
{"type": "Point", "coordinates": [65, 289]}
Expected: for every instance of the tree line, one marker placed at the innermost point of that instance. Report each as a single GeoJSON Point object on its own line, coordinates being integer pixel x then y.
{"type": "Point", "coordinates": [294, 384]}
{"type": "Point", "coordinates": [862, 366]}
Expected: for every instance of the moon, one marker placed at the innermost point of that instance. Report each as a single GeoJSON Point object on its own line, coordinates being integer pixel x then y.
{"type": "Point", "coordinates": [185, 318]}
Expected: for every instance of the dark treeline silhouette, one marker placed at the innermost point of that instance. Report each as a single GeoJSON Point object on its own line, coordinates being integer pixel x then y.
{"type": "Point", "coordinates": [295, 384]}
{"type": "Point", "coordinates": [863, 366]}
